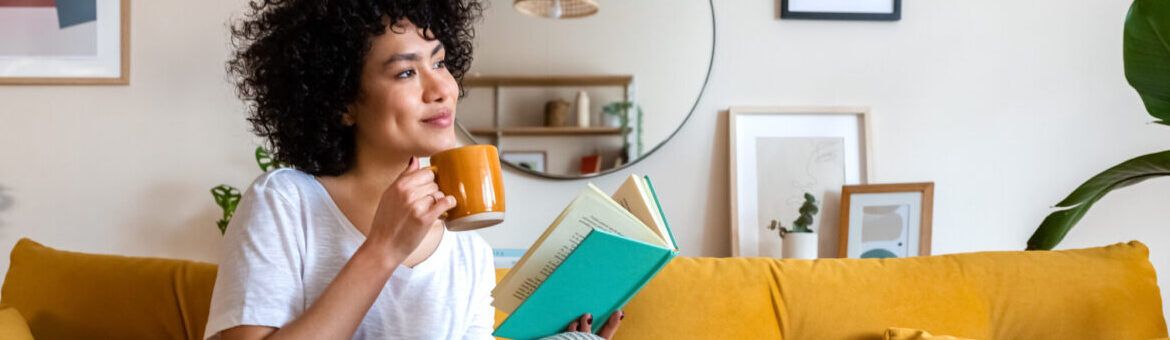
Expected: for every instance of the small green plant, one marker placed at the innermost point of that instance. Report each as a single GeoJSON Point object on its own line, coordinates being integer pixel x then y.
{"type": "Point", "coordinates": [228, 197]}
{"type": "Point", "coordinates": [622, 110]}
{"type": "Point", "coordinates": [802, 223]}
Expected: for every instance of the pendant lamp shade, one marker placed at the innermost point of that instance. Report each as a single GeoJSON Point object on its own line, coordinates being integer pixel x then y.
{"type": "Point", "coordinates": [556, 9]}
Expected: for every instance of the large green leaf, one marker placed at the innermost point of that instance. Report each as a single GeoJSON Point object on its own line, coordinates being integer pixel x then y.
{"type": "Point", "coordinates": [1147, 55]}
{"type": "Point", "coordinates": [1057, 224]}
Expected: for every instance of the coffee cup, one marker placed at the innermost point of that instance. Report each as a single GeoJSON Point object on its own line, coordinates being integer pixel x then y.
{"type": "Point", "coordinates": [472, 175]}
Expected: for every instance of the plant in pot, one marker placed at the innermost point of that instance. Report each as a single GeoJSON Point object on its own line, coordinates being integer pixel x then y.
{"type": "Point", "coordinates": [228, 197]}
{"type": "Point", "coordinates": [800, 242]}
{"type": "Point", "coordinates": [617, 114]}
{"type": "Point", "coordinates": [1146, 54]}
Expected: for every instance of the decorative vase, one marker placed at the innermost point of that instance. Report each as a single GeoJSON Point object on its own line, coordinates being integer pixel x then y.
{"type": "Point", "coordinates": [556, 113]}
{"type": "Point", "coordinates": [582, 109]}
{"type": "Point", "coordinates": [799, 246]}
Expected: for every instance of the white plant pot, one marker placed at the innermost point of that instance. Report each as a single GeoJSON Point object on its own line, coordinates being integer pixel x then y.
{"type": "Point", "coordinates": [613, 121]}
{"type": "Point", "coordinates": [800, 246]}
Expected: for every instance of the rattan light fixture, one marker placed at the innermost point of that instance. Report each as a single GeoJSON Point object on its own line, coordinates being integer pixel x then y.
{"type": "Point", "coordinates": [556, 9]}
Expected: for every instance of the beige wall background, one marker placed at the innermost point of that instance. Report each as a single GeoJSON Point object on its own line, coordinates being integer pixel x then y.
{"type": "Point", "coordinates": [1005, 105]}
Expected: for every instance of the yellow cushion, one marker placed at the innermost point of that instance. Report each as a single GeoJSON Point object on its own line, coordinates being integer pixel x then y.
{"type": "Point", "coordinates": [897, 333]}
{"type": "Point", "coordinates": [67, 295]}
{"type": "Point", "coordinates": [1096, 293]}
{"type": "Point", "coordinates": [12, 325]}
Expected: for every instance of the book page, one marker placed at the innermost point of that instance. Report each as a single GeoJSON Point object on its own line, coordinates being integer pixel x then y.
{"type": "Point", "coordinates": [636, 198]}
{"type": "Point", "coordinates": [591, 209]}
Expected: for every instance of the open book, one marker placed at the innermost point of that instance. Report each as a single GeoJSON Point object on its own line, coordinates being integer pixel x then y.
{"type": "Point", "coordinates": [592, 259]}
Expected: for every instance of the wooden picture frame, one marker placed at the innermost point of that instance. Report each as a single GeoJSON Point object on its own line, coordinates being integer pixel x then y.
{"type": "Point", "coordinates": [854, 200]}
{"type": "Point", "coordinates": [101, 69]}
{"type": "Point", "coordinates": [760, 136]}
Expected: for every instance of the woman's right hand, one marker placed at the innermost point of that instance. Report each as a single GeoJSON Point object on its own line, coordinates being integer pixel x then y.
{"type": "Point", "coordinates": [407, 210]}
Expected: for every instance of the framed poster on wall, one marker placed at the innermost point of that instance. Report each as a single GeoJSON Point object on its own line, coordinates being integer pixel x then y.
{"type": "Point", "coordinates": [886, 220]}
{"type": "Point", "coordinates": [881, 10]}
{"type": "Point", "coordinates": [64, 42]}
{"type": "Point", "coordinates": [777, 154]}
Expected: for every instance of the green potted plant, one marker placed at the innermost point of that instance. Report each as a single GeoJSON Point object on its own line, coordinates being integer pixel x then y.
{"type": "Point", "coordinates": [228, 197]}
{"type": "Point", "coordinates": [800, 242]}
{"type": "Point", "coordinates": [619, 112]}
{"type": "Point", "coordinates": [1146, 47]}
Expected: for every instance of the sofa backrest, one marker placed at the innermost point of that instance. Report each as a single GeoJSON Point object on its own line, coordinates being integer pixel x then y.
{"type": "Point", "coordinates": [1097, 293]}
{"type": "Point", "coordinates": [69, 295]}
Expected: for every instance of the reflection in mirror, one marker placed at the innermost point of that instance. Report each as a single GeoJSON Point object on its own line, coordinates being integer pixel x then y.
{"type": "Point", "coordinates": [573, 97]}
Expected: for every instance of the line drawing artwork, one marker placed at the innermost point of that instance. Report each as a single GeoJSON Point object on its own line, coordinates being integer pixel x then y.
{"type": "Point", "coordinates": [788, 167]}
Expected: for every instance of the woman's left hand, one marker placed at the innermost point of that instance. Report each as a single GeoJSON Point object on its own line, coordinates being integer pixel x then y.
{"type": "Point", "coordinates": [585, 324]}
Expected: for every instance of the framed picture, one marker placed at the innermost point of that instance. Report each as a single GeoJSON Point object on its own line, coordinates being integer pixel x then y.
{"type": "Point", "coordinates": [886, 220]}
{"type": "Point", "coordinates": [531, 160]}
{"type": "Point", "coordinates": [64, 42]}
{"type": "Point", "coordinates": [777, 154]}
{"type": "Point", "coordinates": [885, 10]}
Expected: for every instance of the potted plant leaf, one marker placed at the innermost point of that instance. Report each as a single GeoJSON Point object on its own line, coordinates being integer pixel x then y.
{"type": "Point", "coordinates": [800, 242]}
{"type": "Point", "coordinates": [1146, 54]}
{"type": "Point", "coordinates": [228, 197]}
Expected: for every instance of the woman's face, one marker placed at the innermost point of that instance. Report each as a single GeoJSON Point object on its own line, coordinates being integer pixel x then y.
{"type": "Point", "coordinates": [408, 98]}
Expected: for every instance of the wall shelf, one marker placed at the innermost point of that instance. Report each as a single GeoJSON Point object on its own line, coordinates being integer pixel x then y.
{"type": "Point", "coordinates": [548, 131]}
{"type": "Point", "coordinates": [583, 80]}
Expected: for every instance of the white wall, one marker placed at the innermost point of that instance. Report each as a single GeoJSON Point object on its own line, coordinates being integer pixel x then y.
{"type": "Point", "coordinates": [1005, 105]}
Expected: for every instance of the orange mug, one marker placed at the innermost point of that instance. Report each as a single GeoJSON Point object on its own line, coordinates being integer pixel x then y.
{"type": "Point", "coordinates": [472, 175]}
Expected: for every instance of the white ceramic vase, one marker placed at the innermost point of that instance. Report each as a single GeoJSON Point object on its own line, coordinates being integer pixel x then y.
{"type": "Point", "coordinates": [799, 246]}
{"type": "Point", "coordinates": [582, 109]}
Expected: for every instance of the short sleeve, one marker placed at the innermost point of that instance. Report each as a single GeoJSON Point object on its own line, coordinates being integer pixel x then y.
{"type": "Point", "coordinates": [259, 281]}
{"type": "Point", "coordinates": [483, 318]}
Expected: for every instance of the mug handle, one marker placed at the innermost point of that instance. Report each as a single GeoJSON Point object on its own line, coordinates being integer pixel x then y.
{"type": "Point", "coordinates": [435, 170]}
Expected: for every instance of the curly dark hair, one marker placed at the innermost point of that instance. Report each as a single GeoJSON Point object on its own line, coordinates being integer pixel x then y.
{"type": "Point", "coordinates": [298, 65]}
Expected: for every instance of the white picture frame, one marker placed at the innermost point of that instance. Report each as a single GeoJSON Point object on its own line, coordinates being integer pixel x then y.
{"type": "Point", "coordinates": [532, 160]}
{"type": "Point", "coordinates": [820, 139]}
{"type": "Point", "coordinates": [105, 62]}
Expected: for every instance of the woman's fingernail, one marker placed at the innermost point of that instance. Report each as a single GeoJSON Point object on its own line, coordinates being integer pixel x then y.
{"type": "Point", "coordinates": [622, 316]}
{"type": "Point", "coordinates": [589, 319]}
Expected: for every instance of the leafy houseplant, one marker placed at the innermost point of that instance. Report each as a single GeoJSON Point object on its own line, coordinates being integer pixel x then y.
{"type": "Point", "coordinates": [802, 223]}
{"type": "Point", "coordinates": [800, 242]}
{"type": "Point", "coordinates": [1146, 48]}
{"type": "Point", "coordinates": [228, 197]}
{"type": "Point", "coordinates": [622, 110]}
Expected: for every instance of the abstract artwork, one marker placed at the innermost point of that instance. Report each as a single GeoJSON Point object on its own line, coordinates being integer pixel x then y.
{"type": "Point", "coordinates": [777, 154]}
{"type": "Point", "coordinates": [63, 41]}
{"type": "Point", "coordinates": [886, 220]}
{"type": "Point", "coordinates": [885, 231]}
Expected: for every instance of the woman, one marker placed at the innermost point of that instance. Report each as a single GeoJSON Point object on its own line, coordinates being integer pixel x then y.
{"type": "Point", "coordinates": [347, 242]}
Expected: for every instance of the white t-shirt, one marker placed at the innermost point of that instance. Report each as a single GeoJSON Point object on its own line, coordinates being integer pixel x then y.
{"type": "Point", "coordinates": [288, 240]}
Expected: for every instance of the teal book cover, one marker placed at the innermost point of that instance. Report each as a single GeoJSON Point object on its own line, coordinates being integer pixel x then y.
{"type": "Point", "coordinates": [604, 272]}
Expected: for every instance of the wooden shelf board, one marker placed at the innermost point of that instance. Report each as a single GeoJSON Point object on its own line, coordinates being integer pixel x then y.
{"type": "Point", "coordinates": [590, 80]}
{"type": "Point", "coordinates": [547, 131]}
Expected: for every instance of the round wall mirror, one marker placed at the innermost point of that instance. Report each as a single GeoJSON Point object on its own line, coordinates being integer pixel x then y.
{"type": "Point", "coordinates": [581, 96]}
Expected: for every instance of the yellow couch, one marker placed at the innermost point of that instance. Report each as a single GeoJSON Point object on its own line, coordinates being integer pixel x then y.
{"type": "Point", "coordinates": [1097, 293]}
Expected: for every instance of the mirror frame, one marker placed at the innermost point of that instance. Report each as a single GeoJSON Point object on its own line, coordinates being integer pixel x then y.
{"type": "Point", "coordinates": [702, 90]}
